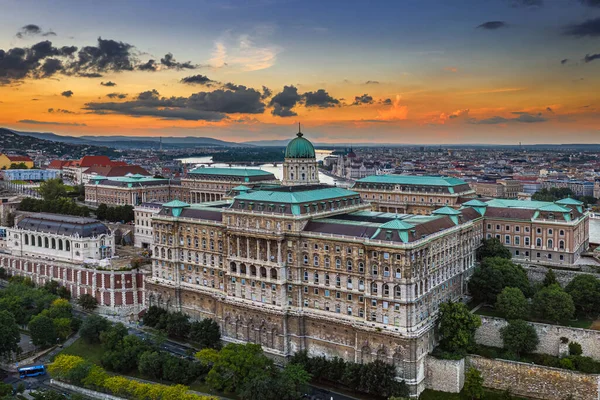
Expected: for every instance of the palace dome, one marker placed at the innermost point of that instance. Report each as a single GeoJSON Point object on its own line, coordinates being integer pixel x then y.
{"type": "Point", "coordinates": [300, 147]}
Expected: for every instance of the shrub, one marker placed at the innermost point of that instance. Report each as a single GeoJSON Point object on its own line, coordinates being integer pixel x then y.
{"type": "Point", "coordinates": [519, 337]}
{"type": "Point", "coordinates": [575, 349]}
{"type": "Point", "coordinates": [566, 363]}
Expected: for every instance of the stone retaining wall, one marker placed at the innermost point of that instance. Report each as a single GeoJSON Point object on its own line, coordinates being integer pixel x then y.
{"type": "Point", "coordinates": [536, 274]}
{"type": "Point", "coordinates": [444, 375]}
{"type": "Point", "coordinates": [86, 392]}
{"type": "Point", "coordinates": [536, 381]}
{"type": "Point", "coordinates": [488, 334]}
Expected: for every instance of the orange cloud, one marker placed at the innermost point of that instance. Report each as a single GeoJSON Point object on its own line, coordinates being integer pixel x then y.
{"type": "Point", "coordinates": [451, 69]}
{"type": "Point", "coordinates": [395, 112]}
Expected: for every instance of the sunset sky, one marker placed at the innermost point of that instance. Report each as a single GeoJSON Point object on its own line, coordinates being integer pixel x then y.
{"type": "Point", "coordinates": [403, 71]}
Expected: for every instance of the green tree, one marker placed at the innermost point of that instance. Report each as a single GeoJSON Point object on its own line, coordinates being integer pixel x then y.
{"type": "Point", "coordinates": [177, 325]}
{"type": "Point", "coordinates": [519, 337]}
{"type": "Point", "coordinates": [64, 293]}
{"type": "Point", "coordinates": [101, 212]}
{"type": "Point", "coordinates": [473, 384]}
{"type": "Point", "coordinates": [153, 315]}
{"type": "Point", "coordinates": [206, 333]}
{"type": "Point", "coordinates": [235, 365]}
{"type": "Point", "coordinates": [60, 308]}
{"type": "Point", "coordinates": [5, 389]}
{"type": "Point", "coordinates": [493, 248]}
{"type": "Point", "coordinates": [9, 335]}
{"type": "Point", "coordinates": [151, 364]}
{"type": "Point", "coordinates": [62, 326]}
{"type": "Point", "coordinates": [52, 189]}
{"type": "Point", "coordinates": [553, 304]}
{"type": "Point", "coordinates": [511, 302]}
{"type": "Point", "coordinates": [493, 275]}
{"type": "Point", "coordinates": [112, 337]}
{"type": "Point", "coordinates": [552, 194]}
{"type": "Point", "coordinates": [585, 292]}
{"type": "Point", "coordinates": [457, 326]}
{"type": "Point", "coordinates": [92, 327]}
{"type": "Point", "coordinates": [42, 331]}
{"type": "Point", "coordinates": [20, 387]}
{"type": "Point", "coordinates": [550, 278]}
{"type": "Point", "coordinates": [87, 302]}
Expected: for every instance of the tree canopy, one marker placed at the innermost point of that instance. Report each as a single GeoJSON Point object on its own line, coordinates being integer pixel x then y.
{"type": "Point", "coordinates": [552, 303]}
{"type": "Point", "coordinates": [492, 248]}
{"type": "Point", "coordinates": [493, 275]}
{"type": "Point", "coordinates": [519, 337]}
{"type": "Point", "coordinates": [456, 327]}
{"type": "Point", "coordinates": [511, 302]}
{"type": "Point", "coordinates": [9, 335]}
{"type": "Point", "coordinates": [585, 292]}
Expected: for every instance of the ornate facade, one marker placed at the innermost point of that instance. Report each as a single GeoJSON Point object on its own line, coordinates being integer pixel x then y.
{"type": "Point", "coordinates": [310, 267]}
{"type": "Point", "coordinates": [133, 190]}
{"type": "Point", "coordinates": [412, 194]}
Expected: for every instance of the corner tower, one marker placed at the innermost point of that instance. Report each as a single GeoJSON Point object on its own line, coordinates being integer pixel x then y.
{"type": "Point", "coordinates": [300, 165]}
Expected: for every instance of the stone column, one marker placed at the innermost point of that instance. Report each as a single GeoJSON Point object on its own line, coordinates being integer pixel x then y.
{"type": "Point", "coordinates": [247, 247]}
{"type": "Point", "coordinates": [279, 252]}
{"type": "Point", "coordinates": [268, 250]}
{"type": "Point", "coordinates": [239, 254]}
{"type": "Point", "coordinates": [258, 249]}
{"type": "Point", "coordinates": [112, 290]}
{"type": "Point", "coordinates": [78, 283]}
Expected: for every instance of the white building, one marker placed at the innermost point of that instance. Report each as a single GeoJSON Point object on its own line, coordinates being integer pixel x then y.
{"type": "Point", "coordinates": [60, 238]}
{"type": "Point", "coordinates": [143, 224]}
{"type": "Point", "coordinates": [300, 165]}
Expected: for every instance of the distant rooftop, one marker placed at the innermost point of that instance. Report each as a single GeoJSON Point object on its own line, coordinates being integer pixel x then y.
{"type": "Point", "coordinates": [63, 225]}
{"type": "Point", "coordinates": [238, 172]}
{"type": "Point", "coordinates": [297, 194]}
{"type": "Point", "coordinates": [414, 180]}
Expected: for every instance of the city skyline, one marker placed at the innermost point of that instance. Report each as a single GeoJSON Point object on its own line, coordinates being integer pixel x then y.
{"type": "Point", "coordinates": [417, 72]}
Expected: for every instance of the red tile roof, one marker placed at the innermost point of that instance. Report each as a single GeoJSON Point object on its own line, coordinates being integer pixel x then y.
{"type": "Point", "coordinates": [57, 164]}
{"type": "Point", "coordinates": [120, 170]}
{"type": "Point", "coordinates": [91, 161]}
{"type": "Point", "coordinates": [19, 158]}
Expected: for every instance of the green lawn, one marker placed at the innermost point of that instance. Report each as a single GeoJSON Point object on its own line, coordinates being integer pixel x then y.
{"type": "Point", "coordinates": [90, 352]}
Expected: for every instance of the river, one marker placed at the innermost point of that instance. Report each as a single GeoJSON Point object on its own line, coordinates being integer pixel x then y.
{"type": "Point", "coordinates": [277, 171]}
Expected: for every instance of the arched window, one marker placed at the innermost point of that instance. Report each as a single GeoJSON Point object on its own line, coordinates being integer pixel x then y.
{"type": "Point", "coordinates": [338, 281]}
{"type": "Point", "coordinates": [386, 272]}
{"type": "Point", "coordinates": [374, 270]}
{"type": "Point", "coordinates": [398, 291]}
{"type": "Point", "coordinates": [60, 245]}
{"type": "Point", "coordinates": [67, 245]}
{"type": "Point", "coordinates": [273, 273]}
{"type": "Point", "coordinates": [233, 267]}
{"type": "Point", "coordinates": [46, 243]}
{"type": "Point", "coordinates": [538, 242]}
{"type": "Point", "coordinates": [26, 240]}
{"type": "Point", "coordinates": [326, 262]}
{"type": "Point", "coordinates": [349, 265]}
{"type": "Point", "coordinates": [386, 290]}
{"type": "Point", "coordinates": [550, 243]}
{"type": "Point", "coordinates": [338, 263]}
{"type": "Point", "coordinates": [316, 260]}
{"type": "Point", "coordinates": [561, 244]}
{"type": "Point", "coordinates": [316, 277]}
{"type": "Point", "coordinates": [242, 268]}
{"type": "Point", "coordinates": [263, 272]}
{"type": "Point", "coordinates": [398, 273]}
{"type": "Point", "coordinates": [374, 288]}
{"type": "Point", "coordinates": [39, 241]}
{"type": "Point", "coordinates": [252, 270]}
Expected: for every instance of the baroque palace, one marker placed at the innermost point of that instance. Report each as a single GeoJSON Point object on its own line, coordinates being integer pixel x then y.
{"type": "Point", "coordinates": [310, 266]}
{"type": "Point", "coordinates": [338, 272]}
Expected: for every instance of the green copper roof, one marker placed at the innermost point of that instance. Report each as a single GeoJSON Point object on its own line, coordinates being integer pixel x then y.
{"type": "Point", "coordinates": [414, 180]}
{"type": "Point", "coordinates": [241, 188]}
{"type": "Point", "coordinates": [398, 225]}
{"type": "Point", "coordinates": [245, 172]}
{"type": "Point", "coordinates": [299, 147]}
{"type": "Point", "coordinates": [446, 211]}
{"type": "Point", "coordinates": [523, 204]}
{"type": "Point", "coordinates": [569, 201]}
{"type": "Point", "coordinates": [475, 203]}
{"type": "Point", "coordinates": [176, 204]}
{"type": "Point", "coordinates": [555, 208]}
{"type": "Point", "coordinates": [296, 197]}
{"type": "Point", "coordinates": [132, 179]}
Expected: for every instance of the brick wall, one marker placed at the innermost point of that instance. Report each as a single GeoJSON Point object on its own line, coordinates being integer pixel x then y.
{"type": "Point", "coordinates": [444, 375]}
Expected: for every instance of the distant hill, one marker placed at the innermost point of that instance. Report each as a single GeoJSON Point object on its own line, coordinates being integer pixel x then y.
{"type": "Point", "coordinates": [17, 143]}
{"type": "Point", "coordinates": [129, 142]}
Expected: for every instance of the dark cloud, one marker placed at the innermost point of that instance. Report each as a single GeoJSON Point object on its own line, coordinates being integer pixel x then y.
{"type": "Point", "coordinates": [526, 3]}
{"type": "Point", "coordinates": [149, 65]}
{"type": "Point", "coordinates": [67, 93]}
{"type": "Point", "coordinates": [372, 83]}
{"type": "Point", "coordinates": [230, 86]}
{"type": "Point", "coordinates": [364, 99]}
{"type": "Point", "coordinates": [60, 110]}
{"type": "Point", "coordinates": [284, 101]}
{"type": "Point", "coordinates": [320, 98]}
{"type": "Point", "coordinates": [549, 110]}
{"type": "Point", "coordinates": [51, 66]}
{"type": "Point", "coordinates": [590, 28]}
{"type": "Point", "coordinates": [109, 84]}
{"type": "Point", "coordinates": [591, 57]}
{"type": "Point", "coordinates": [116, 95]}
{"type": "Point", "coordinates": [590, 3]}
{"type": "Point", "coordinates": [492, 25]}
{"type": "Point", "coordinates": [108, 56]}
{"type": "Point", "coordinates": [208, 106]}
{"type": "Point", "coordinates": [266, 93]}
{"type": "Point", "coordinates": [564, 61]}
{"type": "Point", "coordinates": [387, 102]}
{"type": "Point", "coordinates": [89, 75]}
{"type": "Point", "coordinates": [170, 62]}
{"type": "Point", "coordinates": [33, 30]}
{"type": "Point", "coordinates": [198, 80]}
{"type": "Point", "coordinates": [523, 117]}
{"type": "Point", "coordinates": [34, 122]}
